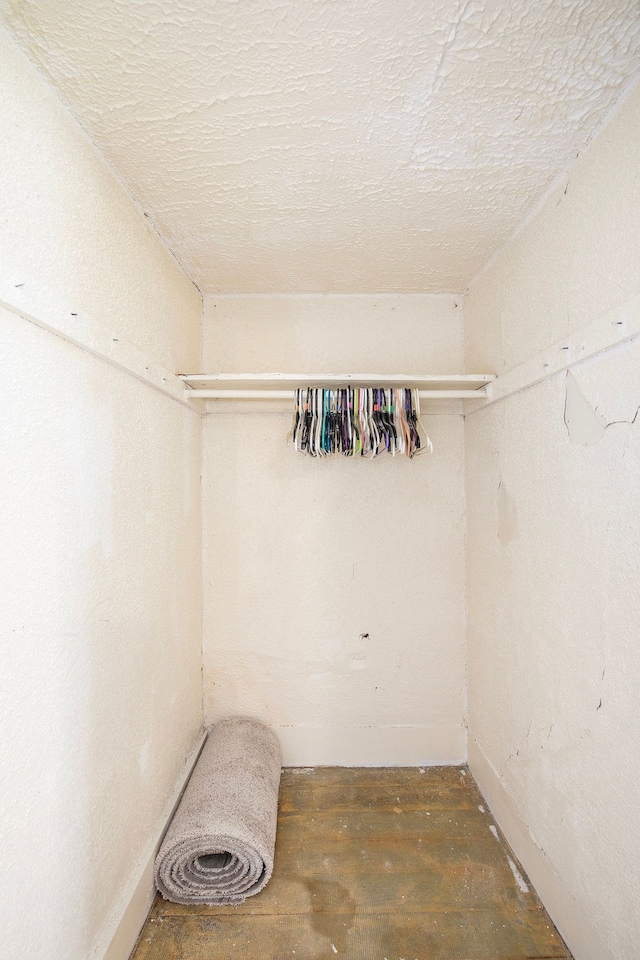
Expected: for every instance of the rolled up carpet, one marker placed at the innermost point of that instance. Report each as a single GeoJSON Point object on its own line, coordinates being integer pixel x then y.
{"type": "Point", "coordinates": [219, 845]}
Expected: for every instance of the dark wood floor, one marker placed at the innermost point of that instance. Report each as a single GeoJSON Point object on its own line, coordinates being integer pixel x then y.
{"type": "Point", "coordinates": [393, 864]}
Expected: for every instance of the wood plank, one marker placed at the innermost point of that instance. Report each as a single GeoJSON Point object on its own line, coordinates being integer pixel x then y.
{"type": "Point", "coordinates": [454, 935]}
{"type": "Point", "coordinates": [438, 787]}
{"type": "Point", "coordinates": [392, 863]}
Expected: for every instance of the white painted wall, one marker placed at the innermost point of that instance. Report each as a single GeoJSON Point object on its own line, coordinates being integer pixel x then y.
{"type": "Point", "coordinates": [100, 550]}
{"type": "Point", "coordinates": [574, 261]}
{"type": "Point", "coordinates": [69, 224]}
{"type": "Point", "coordinates": [553, 561]}
{"type": "Point", "coordinates": [302, 557]}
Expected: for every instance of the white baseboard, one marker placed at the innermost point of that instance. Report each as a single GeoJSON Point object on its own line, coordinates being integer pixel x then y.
{"type": "Point", "coordinates": [578, 932]}
{"type": "Point", "coordinates": [121, 934]}
{"type": "Point", "coordinates": [372, 746]}
{"type": "Point", "coordinates": [301, 747]}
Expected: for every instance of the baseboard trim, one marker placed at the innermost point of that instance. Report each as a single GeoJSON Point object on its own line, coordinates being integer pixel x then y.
{"type": "Point", "coordinates": [301, 747]}
{"type": "Point", "coordinates": [372, 746]}
{"type": "Point", "coordinates": [576, 929]}
{"type": "Point", "coordinates": [122, 932]}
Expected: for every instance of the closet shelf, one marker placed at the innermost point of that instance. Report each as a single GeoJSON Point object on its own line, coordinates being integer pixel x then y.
{"type": "Point", "coordinates": [281, 386]}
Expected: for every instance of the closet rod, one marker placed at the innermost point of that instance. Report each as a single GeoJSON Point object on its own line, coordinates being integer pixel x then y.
{"type": "Point", "coordinates": [290, 394]}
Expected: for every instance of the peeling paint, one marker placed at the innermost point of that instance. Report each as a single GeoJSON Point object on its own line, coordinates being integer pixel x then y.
{"type": "Point", "coordinates": [583, 423]}
{"type": "Point", "coordinates": [514, 870]}
{"type": "Point", "coordinates": [544, 627]}
{"type": "Point", "coordinates": [507, 516]}
{"type": "Point", "coordinates": [518, 876]}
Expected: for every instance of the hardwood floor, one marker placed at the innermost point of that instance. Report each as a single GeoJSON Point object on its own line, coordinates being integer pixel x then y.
{"type": "Point", "coordinates": [390, 864]}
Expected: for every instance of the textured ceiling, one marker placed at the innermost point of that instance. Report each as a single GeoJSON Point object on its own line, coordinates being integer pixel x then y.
{"type": "Point", "coordinates": [334, 145]}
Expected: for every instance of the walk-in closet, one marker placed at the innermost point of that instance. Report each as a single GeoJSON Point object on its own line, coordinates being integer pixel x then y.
{"type": "Point", "coordinates": [320, 554]}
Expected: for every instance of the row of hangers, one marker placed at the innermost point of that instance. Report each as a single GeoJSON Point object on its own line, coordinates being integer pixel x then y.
{"type": "Point", "coordinates": [358, 421]}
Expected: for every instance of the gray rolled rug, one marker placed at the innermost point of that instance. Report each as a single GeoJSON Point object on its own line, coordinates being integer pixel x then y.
{"type": "Point", "coordinates": [219, 845]}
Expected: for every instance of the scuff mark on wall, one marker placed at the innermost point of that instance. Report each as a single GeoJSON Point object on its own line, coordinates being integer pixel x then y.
{"type": "Point", "coordinates": [507, 516]}
{"type": "Point", "coordinates": [583, 423]}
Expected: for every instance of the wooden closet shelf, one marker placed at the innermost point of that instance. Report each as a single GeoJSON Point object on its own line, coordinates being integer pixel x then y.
{"type": "Point", "coordinates": [241, 386]}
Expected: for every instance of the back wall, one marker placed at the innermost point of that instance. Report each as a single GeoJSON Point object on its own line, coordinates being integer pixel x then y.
{"type": "Point", "coordinates": [334, 589]}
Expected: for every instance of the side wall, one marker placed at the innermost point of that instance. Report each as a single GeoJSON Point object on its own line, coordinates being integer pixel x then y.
{"type": "Point", "coordinates": [100, 550]}
{"type": "Point", "coordinates": [334, 602]}
{"type": "Point", "coordinates": [553, 484]}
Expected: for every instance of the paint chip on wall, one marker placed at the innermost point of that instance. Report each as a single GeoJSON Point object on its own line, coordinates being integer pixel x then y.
{"type": "Point", "coordinates": [583, 423]}
{"type": "Point", "coordinates": [507, 516]}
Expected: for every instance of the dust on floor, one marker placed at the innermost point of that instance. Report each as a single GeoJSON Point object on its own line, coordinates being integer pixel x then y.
{"type": "Point", "coordinates": [372, 864]}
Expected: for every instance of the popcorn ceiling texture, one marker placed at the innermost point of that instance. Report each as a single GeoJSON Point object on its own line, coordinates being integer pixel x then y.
{"type": "Point", "coordinates": [334, 146]}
